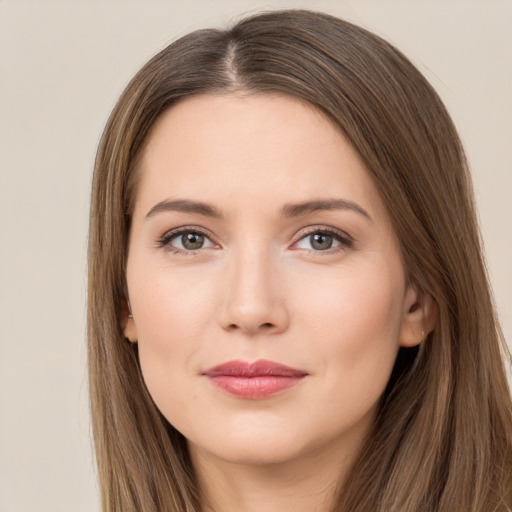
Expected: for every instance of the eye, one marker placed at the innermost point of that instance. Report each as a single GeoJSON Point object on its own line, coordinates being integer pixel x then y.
{"type": "Point", "coordinates": [324, 240]}
{"type": "Point", "coordinates": [186, 240]}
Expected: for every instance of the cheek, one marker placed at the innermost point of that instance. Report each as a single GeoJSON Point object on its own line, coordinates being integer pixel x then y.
{"type": "Point", "coordinates": [171, 304]}
{"type": "Point", "coordinates": [357, 300]}
{"type": "Point", "coordinates": [350, 329]}
{"type": "Point", "coordinates": [355, 320]}
{"type": "Point", "coordinates": [171, 317]}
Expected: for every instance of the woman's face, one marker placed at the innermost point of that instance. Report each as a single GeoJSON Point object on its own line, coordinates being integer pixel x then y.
{"type": "Point", "coordinates": [258, 236]}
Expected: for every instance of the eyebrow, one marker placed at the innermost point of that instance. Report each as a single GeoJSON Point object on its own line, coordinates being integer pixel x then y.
{"type": "Point", "coordinates": [288, 210]}
{"type": "Point", "coordinates": [184, 205]}
{"type": "Point", "coordinates": [300, 209]}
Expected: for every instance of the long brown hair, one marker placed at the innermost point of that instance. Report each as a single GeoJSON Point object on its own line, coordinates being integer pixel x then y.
{"type": "Point", "coordinates": [442, 440]}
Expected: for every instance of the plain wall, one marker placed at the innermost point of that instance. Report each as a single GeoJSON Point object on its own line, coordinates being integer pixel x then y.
{"type": "Point", "coordinates": [62, 66]}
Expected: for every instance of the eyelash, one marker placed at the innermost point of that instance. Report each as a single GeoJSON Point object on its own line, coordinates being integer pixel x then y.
{"type": "Point", "coordinates": [165, 240]}
{"type": "Point", "coordinates": [346, 242]}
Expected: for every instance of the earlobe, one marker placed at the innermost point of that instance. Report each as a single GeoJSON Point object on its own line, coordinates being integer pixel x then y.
{"type": "Point", "coordinates": [419, 318]}
{"type": "Point", "coordinates": [128, 324]}
{"type": "Point", "coordinates": [130, 331]}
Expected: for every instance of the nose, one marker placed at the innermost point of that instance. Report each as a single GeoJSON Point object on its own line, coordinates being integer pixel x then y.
{"type": "Point", "coordinates": [253, 296]}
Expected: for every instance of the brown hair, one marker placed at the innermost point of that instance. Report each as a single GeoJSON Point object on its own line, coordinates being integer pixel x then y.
{"type": "Point", "coordinates": [442, 438]}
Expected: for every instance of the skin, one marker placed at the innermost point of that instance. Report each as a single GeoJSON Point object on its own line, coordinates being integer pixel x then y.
{"type": "Point", "coordinates": [259, 288]}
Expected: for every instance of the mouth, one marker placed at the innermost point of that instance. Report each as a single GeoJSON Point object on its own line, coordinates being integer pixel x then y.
{"type": "Point", "coordinates": [254, 381]}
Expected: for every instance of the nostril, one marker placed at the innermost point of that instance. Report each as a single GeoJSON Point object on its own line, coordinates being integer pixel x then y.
{"type": "Point", "coordinates": [266, 325]}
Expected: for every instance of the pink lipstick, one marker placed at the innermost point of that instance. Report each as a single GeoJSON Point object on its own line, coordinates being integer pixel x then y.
{"type": "Point", "coordinates": [254, 381]}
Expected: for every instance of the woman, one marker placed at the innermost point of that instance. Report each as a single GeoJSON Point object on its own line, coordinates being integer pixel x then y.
{"type": "Point", "coordinates": [288, 308]}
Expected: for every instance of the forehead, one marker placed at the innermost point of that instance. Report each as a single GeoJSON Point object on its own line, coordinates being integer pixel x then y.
{"type": "Point", "coordinates": [231, 147]}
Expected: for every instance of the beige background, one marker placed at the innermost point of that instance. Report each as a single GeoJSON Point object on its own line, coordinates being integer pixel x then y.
{"type": "Point", "coordinates": [62, 65]}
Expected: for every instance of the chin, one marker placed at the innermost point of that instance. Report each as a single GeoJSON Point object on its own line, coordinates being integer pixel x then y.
{"type": "Point", "coordinates": [256, 446]}
{"type": "Point", "coordinates": [255, 452]}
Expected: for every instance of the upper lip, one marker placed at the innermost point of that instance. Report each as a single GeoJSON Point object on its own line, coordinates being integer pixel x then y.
{"type": "Point", "coordinates": [261, 368]}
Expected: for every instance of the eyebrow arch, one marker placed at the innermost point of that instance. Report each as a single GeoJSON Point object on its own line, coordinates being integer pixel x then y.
{"type": "Point", "coordinates": [300, 209]}
{"type": "Point", "coordinates": [187, 206]}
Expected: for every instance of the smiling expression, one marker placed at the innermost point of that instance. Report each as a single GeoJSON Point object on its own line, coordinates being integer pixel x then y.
{"type": "Point", "coordinates": [259, 237]}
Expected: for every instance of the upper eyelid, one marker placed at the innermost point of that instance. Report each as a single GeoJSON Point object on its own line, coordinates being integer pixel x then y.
{"type": "Point", "coordinates": [171, 233]}
{"type": "Point", "coordinates": [327, 229]}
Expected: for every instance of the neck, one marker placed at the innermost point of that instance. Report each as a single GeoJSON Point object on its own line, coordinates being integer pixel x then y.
{"type": "Point", "coordinates": [305, 484]}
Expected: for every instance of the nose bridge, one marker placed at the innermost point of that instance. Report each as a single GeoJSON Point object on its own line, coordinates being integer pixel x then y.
{"type": "Point", "coordinates": [253, 300]}
{"type": "Point", "coordinates": [252, 277]}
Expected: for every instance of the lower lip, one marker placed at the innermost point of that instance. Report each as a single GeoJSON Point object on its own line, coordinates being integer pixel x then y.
{"type": "Point", "coordinates": [254, 388]}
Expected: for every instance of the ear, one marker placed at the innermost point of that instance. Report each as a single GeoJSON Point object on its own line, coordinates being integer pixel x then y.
{"type": "Point", "coordinates": [128, 324]}
{"type": "Point", "coordinates": [419, 316]}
